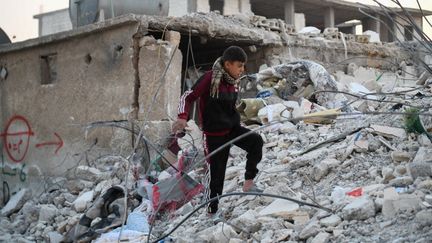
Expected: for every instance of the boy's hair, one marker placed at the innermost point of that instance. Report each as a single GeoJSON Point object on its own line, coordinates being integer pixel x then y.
{"type": "Point", "coordinates": [234, 53]}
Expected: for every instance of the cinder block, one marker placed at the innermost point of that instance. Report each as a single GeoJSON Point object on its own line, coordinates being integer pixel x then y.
{"type": "Point", "coordinates": [331, 31]}
{"type": "Point", "coordinates": [362, 38]}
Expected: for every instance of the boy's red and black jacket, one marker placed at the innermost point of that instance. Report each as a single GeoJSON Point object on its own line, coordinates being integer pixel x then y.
{"type": "Point", "coordinates": [218, 115]}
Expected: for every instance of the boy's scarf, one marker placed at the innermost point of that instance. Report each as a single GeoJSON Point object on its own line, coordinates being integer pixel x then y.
{"type": "Point", "coordinates": [219, 73]}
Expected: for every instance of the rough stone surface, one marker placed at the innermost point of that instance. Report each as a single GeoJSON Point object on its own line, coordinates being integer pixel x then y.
{"type": "Point", "coordinates": [401, 181]}
{"type": "Point", "coordinates": [16, 202]}
{"type": "Point", "coordinates": [331, 221]}
{"type": "Point", "coordinates": [322, 237]}
{"type": "Point", "coordinates": [422, 163]}
{"type": "Point", "coordinates": [280, 207]}
{"type": "Point", "coordinates": [80, 204]}
{"type": "Point", "coordinates": [359, 209]}
{"type": "Point", "coordinates": [424, 218]}
{"type": "Point", "coordinates": [47, 212]}
{"type": "Point", "coordinates": [399, 156]}
{"type": "Point", "coordinates": [55, 237]}
{"type": "Point", "coordinates": [320, 170]}
{"type": "Point", "coordinates": [88, 173]}
{"type": "Point", "coordinates": [310, 230]}
{"type": "Point", "coordinates": [218, 233]}
{"type": "Point", "coordinates": [248, 221]}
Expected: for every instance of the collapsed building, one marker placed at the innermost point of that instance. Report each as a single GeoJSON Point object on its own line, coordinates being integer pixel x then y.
{"type": "Point", "coordinates": [75, 104]}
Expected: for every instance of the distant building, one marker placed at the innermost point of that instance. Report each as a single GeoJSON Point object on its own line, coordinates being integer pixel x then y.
{"type": "Point", "coordinates": [54, 22]}
{"type": "Point", "coordinates": [299, 13]}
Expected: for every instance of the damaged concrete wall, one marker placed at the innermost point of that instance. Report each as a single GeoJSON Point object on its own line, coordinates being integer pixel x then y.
{"type": "Point", "coordinates": [58, 84]}
{"type": "Point", "coordinates": [401, 31]}
{"type": "Point", "coordinates": [331, 54]}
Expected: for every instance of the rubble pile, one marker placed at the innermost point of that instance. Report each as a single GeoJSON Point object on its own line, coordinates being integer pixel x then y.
{"type": "Point", "coordinates": [372, 175]}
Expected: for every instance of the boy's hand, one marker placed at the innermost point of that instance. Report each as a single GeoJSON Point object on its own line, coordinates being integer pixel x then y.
{"type": "Point", "coordinates": [179, 125]}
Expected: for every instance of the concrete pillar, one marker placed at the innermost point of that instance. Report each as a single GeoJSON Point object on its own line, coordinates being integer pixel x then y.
{"type": "Point", "coordinates": [245, 7]}
{"type": "Point", "coordinates": [329, 18]}
{"type": "Point", "coordinates": [300, 21]}
{"type": "Point", "coordinates": [289, 11]}
{"type": "Point", "coordinates": [203, 6]}
{"type": "Point", "coordinates": [231, 7]}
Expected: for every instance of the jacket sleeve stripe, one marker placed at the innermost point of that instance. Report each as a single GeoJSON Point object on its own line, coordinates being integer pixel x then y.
{"type": "Point", "coordinates": [181, 107]}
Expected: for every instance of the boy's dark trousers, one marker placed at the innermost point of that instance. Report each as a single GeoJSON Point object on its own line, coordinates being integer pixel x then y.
{"type": "Point", "coordinates": [252, 144]}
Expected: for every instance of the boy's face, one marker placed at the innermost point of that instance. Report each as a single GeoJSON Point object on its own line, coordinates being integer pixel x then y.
{"type": "Point", "coordinates": [234, 68]}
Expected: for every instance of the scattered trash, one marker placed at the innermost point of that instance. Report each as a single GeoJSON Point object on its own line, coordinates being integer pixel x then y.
{"type": "Point", "coordinates": [355, 192]}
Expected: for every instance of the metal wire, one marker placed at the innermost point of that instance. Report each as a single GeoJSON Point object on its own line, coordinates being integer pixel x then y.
{"type": "Point", "coordinates": [303, 203]}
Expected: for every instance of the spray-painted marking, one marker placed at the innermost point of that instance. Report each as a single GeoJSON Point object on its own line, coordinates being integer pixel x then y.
{"type": "Point", "coordinates": [58, 143]}
{"type": "Point", "coordinates": [16, 138]}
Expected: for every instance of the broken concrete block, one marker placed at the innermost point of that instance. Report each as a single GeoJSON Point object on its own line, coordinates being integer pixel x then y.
{"type": "Point", "coordinates": [287, 127]}
{"type": "Point", "coordinates": [294, 108]}
{"type": "Point", "coordinates": [330, 30]}
{"type": "Point", "coordinates": [76, 186]}
{"type": "Point", "coordinates": [16, 202]}
{"type": "Point", "coordinates": [360, 209]}
{"type": "Point", "coordinates": [373, 36]}
{"type": "Point", "coordinates": [274, 112]}
{"type": "Point", "coordinates": [389, 132]}
{"type": "Point", "coordinates": [319, 171]}
{"type": "Point", "coordinates": [331, 33]}
{"type": "Point", "coordinates": [399, 156]}
{"type": "Point", "coordinates": [55, 237]}
{"type": "Point", "coordinates": [372, 189]}
{"type": "Point", "coordinates": [47, 212]}
{"type": "Point", "coordinates": [393, 202]}
{"type": "Point", "coordinates": [424, 218]}
{"type": "Point", "coordinates": [407, 202]}
{"type": "Point", "coordinates": [331, 221]}
{"type": "Point", "coordinates": [421, 165]}
{"type": "Point", "coordinates": [218, 233]}
{"type": "Point", "coordinates": [309, 30]}
{"type": "Point", "coordinates": [351, 68]}
{"type": "Point", "coordinates": [310, 230]}
{"type": "Point", "coordinates": [379, 204]}
{"type": "Point", "coordinates": [361, 146]}
{"type": "Point", "coordinates": [423, 155]}
{"type": "Point", "coordinates": [390, 195]}
{"type": "Point", "coordinates": [424, 141]}
{"type": "Point", "coordinates": [173, 37]}
{"type": "Point", "coordinates": [331, 162]}
{"type": "Point", "coordinates": [281, 208]}
{"type": "Point", "coordinates": [420, 169]}
{"type": "Point", "coordinates": [362, 38]}
{"type": "Point", "coordinates": [402, 181]}
{"type": "Point", "coordinates": [248, 221]}
{"type": "Point", "coordinates": [234, 240]}
{"type": "Point", "coordinates": [428, 199]}
{"type": "Point", "coordinates": [80, 204]}
{"type": "Point", "coordinates": [426, 184]}
{"type": "Point", "coordinates": [387, 174]}
{"type": "Point", "coordinates": [401, 169]}
{"type": "Point", "coordinates": [322, 237]}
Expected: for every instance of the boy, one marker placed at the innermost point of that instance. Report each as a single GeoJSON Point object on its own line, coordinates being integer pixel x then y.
{"type": "Point", "coordinates": [217, 91]}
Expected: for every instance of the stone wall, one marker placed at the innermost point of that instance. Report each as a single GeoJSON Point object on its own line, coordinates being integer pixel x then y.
{"type": "Point", "coordinates": [57, 85]}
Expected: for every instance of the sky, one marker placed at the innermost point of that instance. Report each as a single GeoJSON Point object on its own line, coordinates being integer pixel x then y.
{"type": "Point", "coordinates": [16, 16]}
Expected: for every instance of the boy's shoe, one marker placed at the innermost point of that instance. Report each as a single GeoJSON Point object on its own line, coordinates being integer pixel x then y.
{"type": "Point", "coordinates": [216, 217]}
{"type": "Point", "coordinates": [249, 186]}
{"type": "Point", "coordinates": [254, 188]}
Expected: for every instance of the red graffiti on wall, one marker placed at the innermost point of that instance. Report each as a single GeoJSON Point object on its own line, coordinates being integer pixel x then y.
{"type": "Point", "coordinates": [16, 138]}
{"type": "Point", "coordinates": [58, 143]}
